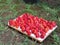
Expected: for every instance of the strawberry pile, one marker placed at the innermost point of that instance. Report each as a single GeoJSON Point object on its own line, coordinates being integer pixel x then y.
{"type": "Point", "coordinates": [32, 25]}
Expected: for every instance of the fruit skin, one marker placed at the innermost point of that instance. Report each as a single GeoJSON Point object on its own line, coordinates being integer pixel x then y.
{"type": "Point", "coordinates": [11, 22]}
{"type": "Point", "coordinates": [23, 28]}
{"type": "Point", "coordinates": [28, 30]}
{"type": "Point", "coordinates": [16, 24]}
{"type": "Point", "coordinates": [19, 19]}
{"type": "Point", "coordinates": [37, 35]}
{"type": "Point", "coordinates": [53, 24]}
{"type": "Point", "coordinates": [42, 33]}
{"type": "Point", "coordinates": [42, 36]}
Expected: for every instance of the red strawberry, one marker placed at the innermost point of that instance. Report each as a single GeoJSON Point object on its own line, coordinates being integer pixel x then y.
{"type": "Point", "coordinates": [19, 20]}
{"type": "Point", "coordinates": [41, 19]}
{"type": "Point", "coordinates": [50, 25]}
{"type": "Point", "coordinates": [46, 21]}
{"type": "Point", "coordinates": [46, 29]}
{"type": "Point", "coordinates": [36, 18]}
{"type": "Point", "coordinates": [31, 16]}
{"type": "Point", "coordinates": [32, 30]}
{"type": "Point", "coordinates": [53, 24]}
{"type": "Point", "coordinates": [10, 22]}
{"type": "Point", "coordinates": [28, 30]}
{"type": "Point", "coordinates": [42, 33]}
{"type": "Point", "coordinates": [32, 21]}
{"type": "Point", "coordinates": [44, 24]}
{"type": "Point", "coordinates": [35, 31]}
{"type": "Point", "coordinates": [37, 35]}
{"type": "Point", "coordinates": [23, 28]}
{"type": "Point", "coordinates": [25, 15]}
{"type": "Point", "coordinates": [41, 26]}
{"type": "Point", "coordinates": [16, 24]}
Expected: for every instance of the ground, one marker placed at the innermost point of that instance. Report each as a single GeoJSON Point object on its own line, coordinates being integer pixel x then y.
{"type": "Point", "coordinates": [10, 9]}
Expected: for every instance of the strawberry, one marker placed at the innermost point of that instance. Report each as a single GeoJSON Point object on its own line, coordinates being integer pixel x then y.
{"type": "Point", "coordinates": [44, 24]}
{"type": "Point", "coordinates": [32, 30]}
{"type": "Point", "coordinates": [11, 22]}
{"type": "Point", "coordinates": [41, 19]}
{"type": "Point", "coordinates": [42, 33]}
{"type": "Point", "coordinates": [16, 24]}
{"type": "Point", "coordinates": [37, 35]}
{"type": "Point", "coordinates": [32, 21]}
{"type": "Point", "coordinates": [35, 31]}
{"type": "Point", "coordinates": [41, 26]}
{"type": "Point", "coordinates": [25, 15]}
{"type": "Point", "coordinates": [46, 21]}
{"type": "Point", "coordinates": [46, 29]}
{"type": "Point", "coordinates": [28, 30]}
{"type": "Point", "coordinates": [53, 24]}
{"type": "Point", "coordinates": [31, 16]}
{"type": "Point", "coordinates": [23, 28]}
{"type": "Point", "coordinates": [36, 18]}
{"type": "Point", "coordinates": [49, 25]}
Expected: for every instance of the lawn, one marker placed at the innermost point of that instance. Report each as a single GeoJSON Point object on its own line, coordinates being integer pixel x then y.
{"type": "Point", "coordinates": [10, 9]}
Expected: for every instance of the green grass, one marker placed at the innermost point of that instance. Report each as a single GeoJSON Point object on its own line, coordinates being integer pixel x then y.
{"type": "Point", "coordinates": [27, 9]}
{"type": "Point", "coordinates": [48, 8]}
{"type": "Point", "coordinates": [12, 8]}
{"type": "Point", "coordinates": [56, 38]}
